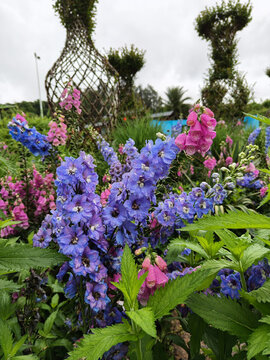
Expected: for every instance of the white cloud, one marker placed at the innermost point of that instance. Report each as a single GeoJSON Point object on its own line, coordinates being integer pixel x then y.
{"type": "Point", "coordinates": [175, 55]}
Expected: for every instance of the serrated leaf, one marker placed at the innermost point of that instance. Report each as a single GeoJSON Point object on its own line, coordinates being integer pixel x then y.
{"type": "Point", "coordinates": [176, 291]}
{"type": "Point", "coordinates": [25, 357]}
{"type": "Point", "coordinates": [93, 346]}
{"type": "Point", "coordinates": [224, 314]}
{"type": "Point", "coordinates": [62, 342]}
{"type": "Point", "coordinates": [258, 340]}
{"type": "Point", "coordinates": [7, 309]}
{"type": "Point", "coordinates": [129, 284]}
{"type": "Point", "coordinates": [265, 319]}
{"type": "Point", "coordinates": [6, 285]}
{"type": "Point", "coordinates": [6, 223]}
{"type": "Point", "coordinates": [179, 244]}
{"type": "Point", "coordinates": [251, 254]}
{"type": "Point", "coordinates": [235, 244]}
{"type": "Point", "coordinates": [231, 220]}
{"type": "Point", "coordinates": [145, 319]}
{"type": "Point", "coordinates": [6, 339]}
{"type": "Point", "coordinates": [21, 257]}
{"type": "Point", "coordinates": [220, 342]}
{"type": "Point", "coordinates": [197, 327]}
{"type": "Point", "coordinates": [55, 301]}
{"type": "Point", "coordinates": [263, 293]}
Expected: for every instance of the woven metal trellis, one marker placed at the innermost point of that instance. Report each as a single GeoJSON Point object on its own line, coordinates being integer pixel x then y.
{"type": "Point", "coordinates": [81, 64]}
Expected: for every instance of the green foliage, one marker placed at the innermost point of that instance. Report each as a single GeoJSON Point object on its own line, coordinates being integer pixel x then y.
{"type": "Point", "coordinates": [93, 346]}
{"type": "Point", "coordinates": [71, 11]}
{"type": "Point", "coordinates": [176, 292]}
{"type": "Point", "coordinates": [262, 294]}
{"type": "Point", "coordinates": [224, 314]}
{"type": "Point", "coordinates": [231, 220]}
{"type": "Point", "coordinates": [149, 97]}
{"type": "Point", "coordinates": [145, 319]}
{"type": "Point", "coordinates": [258, 341]}
{"type": "Point", "coordinates": [139, 129]}
{"type": "Point", "coordinates": [21, 257]}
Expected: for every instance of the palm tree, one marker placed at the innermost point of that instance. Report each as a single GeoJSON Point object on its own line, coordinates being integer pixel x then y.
{"type": "Point", "coordinates": [176, 100]}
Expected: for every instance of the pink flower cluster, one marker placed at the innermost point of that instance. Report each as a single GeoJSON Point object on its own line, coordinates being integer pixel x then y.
{"type": "Point", "coordinates": [105, 195]}
{"type": "Point", "coordinates": [210, 164]}
{"type": "Point", "coordinates": [155, 279]}
{"type": "Point", "coordinates": [201, 133]}
{"type": "Point", "coordinates": [14, 199]}
{"type": "Point", "coordinates": [57, 134]}
{"type": "Point", "coordinates": [71, 98]}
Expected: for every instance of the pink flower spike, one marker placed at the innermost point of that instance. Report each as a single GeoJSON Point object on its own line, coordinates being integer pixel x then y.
{"type": "Point", "coordinates": [192, 118]}
{"type": "Point", "coordinates": [161, 278]}
{"type": "Point", "coordinates": [180, 141]}
{"type": "Point", "coordinates": [151, 277]}
{"type": "Point", "coordinates": [208, 112]}
{"type": "Point", "coordinates": [161, 263]}
{"type": "Point", "coordinates": [263, 191]}
{"type": "Point", "coordinates": [210, 163]}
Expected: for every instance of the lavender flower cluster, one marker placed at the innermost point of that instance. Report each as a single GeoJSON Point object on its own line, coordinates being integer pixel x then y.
{"type": "Point", "coordinates": [249, 181]}
{"type": "Point", "coordinates": [34, 141]}
{"type": "Point", "coordinates": [253, 136]}
{"type": "Point", "coordinates": [177, 129]}
{"type": "Point", "coordinates": [267, 139]}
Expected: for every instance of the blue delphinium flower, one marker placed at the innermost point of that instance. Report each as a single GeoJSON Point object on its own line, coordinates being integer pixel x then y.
{"type": "Point", "coordinates": [230, 285]}
{"type": "Point", "coordinates": [96, 296]}
{"type": "Point", "coordinates": [43, 237]}
{"type": "Point", "coordinates": [267, 139]}
{"type": "Point", "coordinates": [256, 275]}
{"type": "Point", "coordinates": [117, 352]}
{"type": "Point", "coordinates": [29, 137]}
{"type": "Point", "coordinates": [253, 136]}
{"type": "Point", "coordinates": [177, 129]}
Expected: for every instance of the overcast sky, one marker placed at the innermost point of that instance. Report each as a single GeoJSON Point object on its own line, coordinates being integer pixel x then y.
{"type": "Point", "coordinates": [175, 55]}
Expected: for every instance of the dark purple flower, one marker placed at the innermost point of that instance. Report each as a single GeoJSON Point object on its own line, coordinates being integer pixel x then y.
{"type": "Point", "coordinates": [96, 296]}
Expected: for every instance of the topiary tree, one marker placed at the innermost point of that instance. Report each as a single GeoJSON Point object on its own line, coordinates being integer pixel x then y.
{"type": "Point", "coordinates": [149, 98]}
{"type": "Point", "coordinates": [81, 64]}
{"type": "Point", "coordinates": [127, 62]}
{"type": "Point", "coordinates": [225, 90]}
{"type": "Point", "coordinates": [267, 72]}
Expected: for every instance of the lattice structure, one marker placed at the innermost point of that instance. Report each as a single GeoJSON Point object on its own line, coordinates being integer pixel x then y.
{"type": "Point", "coordinates": [90, 72]}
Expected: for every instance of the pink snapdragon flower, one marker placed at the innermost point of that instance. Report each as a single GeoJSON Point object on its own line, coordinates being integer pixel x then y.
{"type": "Point", "coordinates": [57, 134]}
{"type": "Point", "coordinates": [71, 98]}
{"type": "Point", "coordinates": [105, 195]}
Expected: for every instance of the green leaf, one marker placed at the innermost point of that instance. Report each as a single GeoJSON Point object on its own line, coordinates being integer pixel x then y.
{"type": "Point", "coordinates": [6, 223]}
{"type": "Point", "coordinates": [251, 254]}
{"type": "Point", "coordinates": [224, 314]}
{"type": "Point", "coordinates": [63, 343]}
{"type": "Point", "coordinates": [18, 345]}
{"type": "Point", "coordinates": [55, 301]}
{"type": "Point", "coordinates": [235, 244]}
{"type": "Point", "coordinates": [129, 284]}
{"type": "Point", "coordinates": [258, 340]}
{"type": "Point", "coordinates": [197, 327]}
{"type": "Point", "coordinates": [176, 291]}
{"type": "Point", "coordinates": [265, 319]}
{"type": "Point", "coordinates": [179, 244]}
{"type": "Point", "coordinates": [6, 339]}
{"type": "Point", "coordinates": [231, 220]}
{"type": "Point", "coordinates": [49, 322]}
{"type": "Point", "coordinates": [21, 257]}
{"type": "Point", "coordinates": [263, 293]}
{"type": "Point", "coordinates": [6, 285]}
{"type": "Point", "coordinates": [93, 346]}
{"type": "Point", "coordinates": [25, 357]}
{"type": "Point", "coordinates": [7, 309]}
{"type": "Point", "coordinates": [266, 198]}
{"type": "Point", "coordinates": [220, 342]}
{"type": "Point", "coordinates": [145, 319]}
